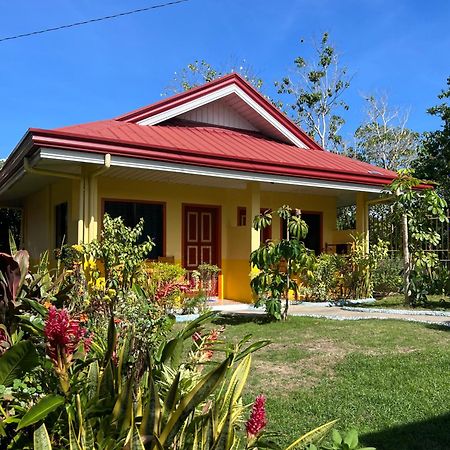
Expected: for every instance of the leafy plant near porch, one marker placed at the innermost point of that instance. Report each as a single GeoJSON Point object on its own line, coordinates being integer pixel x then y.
{"type": "Point", "coordinates": [280, 264]}
{"type": "Point", "coordinates": [414, 206]}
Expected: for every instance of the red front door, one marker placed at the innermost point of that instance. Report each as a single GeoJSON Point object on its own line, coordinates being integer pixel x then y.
{"type": "Point", "coordinates": [201, 236]}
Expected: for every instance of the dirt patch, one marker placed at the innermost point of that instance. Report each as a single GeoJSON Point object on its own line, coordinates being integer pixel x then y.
{"type": "Point", "coordinates": [307, 363]}
{"type": "Point", "coordinates": [316, 361]}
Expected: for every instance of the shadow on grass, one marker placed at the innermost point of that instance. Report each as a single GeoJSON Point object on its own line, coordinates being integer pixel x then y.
{"type": "Point", "coordinates": [431, 434]}
{"type": "Point", "coordinates": [240, 318]}
{"type": "Point", "coordinates": [443, 326]}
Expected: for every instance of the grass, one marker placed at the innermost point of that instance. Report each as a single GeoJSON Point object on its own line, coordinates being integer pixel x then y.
{"type": "Point", "coordinates": [388, 379]}
{"type": "Point", "coordinates": [435, 303]}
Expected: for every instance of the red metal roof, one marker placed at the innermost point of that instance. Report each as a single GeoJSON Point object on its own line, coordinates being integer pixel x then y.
{"type": "Point", "coordinates": [221, 147]}
{"type": "Point", "coordinates": [201, 145]}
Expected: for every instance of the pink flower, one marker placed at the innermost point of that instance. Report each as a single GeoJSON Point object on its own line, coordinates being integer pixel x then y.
{"type": "Point", "coordinates": [63, 336]}
{"type": "Point", "coordinates": [196, 337]}
{"type": "Point", "coordinates": [257, 420]}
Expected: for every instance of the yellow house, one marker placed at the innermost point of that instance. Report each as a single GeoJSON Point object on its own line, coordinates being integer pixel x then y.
{"type": "Point", "coordinates": [197, 167]}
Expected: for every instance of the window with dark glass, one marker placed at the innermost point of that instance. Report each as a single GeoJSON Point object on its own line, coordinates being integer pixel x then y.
{"type": "Point", "coordinates": [61, 224]}
{"type": "Point", "coordinates": [241, 216]}
{"type": "Point", "coordinates": [131, 213]}
{"type": "Point", "coordinates": [313, 239]}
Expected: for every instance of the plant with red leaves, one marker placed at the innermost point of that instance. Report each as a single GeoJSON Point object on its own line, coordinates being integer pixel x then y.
{"type": "Point", "coordinates": [257, 421]}
{"type": "Point", "coordinates": [64, 335]}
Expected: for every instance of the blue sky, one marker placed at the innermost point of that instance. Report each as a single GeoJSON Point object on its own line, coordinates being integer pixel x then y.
{"type": "Point", "coordinates": [99, 71]}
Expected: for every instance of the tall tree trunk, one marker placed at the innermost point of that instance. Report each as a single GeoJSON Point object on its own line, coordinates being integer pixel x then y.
{"type": "Point", "coordinates": [406, 259]}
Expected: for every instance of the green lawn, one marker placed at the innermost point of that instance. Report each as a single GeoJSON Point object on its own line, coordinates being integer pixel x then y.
{"type": "Point", "coordinates": [389, 379]}
{"type": "Point", "coordinates": [435, 303]}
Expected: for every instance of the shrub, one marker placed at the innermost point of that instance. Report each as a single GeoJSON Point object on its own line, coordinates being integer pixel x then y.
{"type": "Point", "coordinates": [387, 276]}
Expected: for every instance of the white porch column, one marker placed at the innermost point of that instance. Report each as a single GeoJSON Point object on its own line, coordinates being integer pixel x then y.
{"type": "Point", "coordinates": [254, 210]}
{"type": "Point", "coordinates": [362, 216]}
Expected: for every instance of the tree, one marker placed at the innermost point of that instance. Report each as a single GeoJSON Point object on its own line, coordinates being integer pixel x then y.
{"type": "Point", "coordinates": [200, 72]}
{"type": "Point", "coordinates": [316, 89]}
{"type": "Point", "coordinates": [280, 264]}
{"type": "Point", "coordinates": [414, 204]}
{"type": "Point", "coordinates": [384, 140]}
{"type": "Point", "coordinates": [434, 157]}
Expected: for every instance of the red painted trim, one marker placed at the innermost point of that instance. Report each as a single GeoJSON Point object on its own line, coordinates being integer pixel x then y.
{"type": "Point", "coordinates": [218, 231]}
{"type": "Point", "coordinates": [71, 141]}
{"type": "Point", "coordinates": [213, 86]}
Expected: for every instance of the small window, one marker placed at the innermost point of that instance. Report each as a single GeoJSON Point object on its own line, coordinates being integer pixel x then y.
{"type": "Point", "coordinates": [61, 224]}
{"type": "Point", "coordinates": [153, 215]}
{"type": "Point", "coordinates": [241, 216]}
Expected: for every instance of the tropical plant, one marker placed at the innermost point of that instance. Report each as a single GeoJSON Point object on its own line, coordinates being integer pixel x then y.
{"type": "Point", "coordinates": [414, 203]}
{"type": "Point", "coordinates": [387, 276]}
{"type": "Point", "coordinates": [280, 264]}
{"type": "Point", "coordinates": [349, 441]}
{"type": "Point", "coordinates": [432, 163]}
{"type": "Point", "coordinates": [97, 398]}
{"type": "Point", "coordinates": [120, 252]}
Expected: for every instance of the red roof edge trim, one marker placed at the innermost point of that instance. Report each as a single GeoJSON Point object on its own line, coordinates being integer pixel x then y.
{"type": "Point", "coordinates": [69, 141]}
{"type": "Point", "coordinates": [197, 92]}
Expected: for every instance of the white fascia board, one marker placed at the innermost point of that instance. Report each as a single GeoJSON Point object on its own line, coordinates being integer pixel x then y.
{"type": "Point", "coordinates": [223, 92]}
{"type": "Point", "coordinates": [14, 179]}
{"type": "Point", "coordinates": [139, 163]}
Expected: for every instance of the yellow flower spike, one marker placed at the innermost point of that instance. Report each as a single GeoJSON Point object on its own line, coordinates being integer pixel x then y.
{"type": "Point", "coordinates": [100, 283]}
{"type": "Point", "coordinates": [78, 247]}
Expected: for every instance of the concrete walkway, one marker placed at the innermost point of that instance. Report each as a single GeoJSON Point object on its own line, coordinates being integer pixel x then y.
{"type": "Point", "coordinates": [341, 313]}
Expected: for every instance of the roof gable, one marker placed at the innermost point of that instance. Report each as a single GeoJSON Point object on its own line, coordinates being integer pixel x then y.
{"type": "Point", "coordinates": [237, 104]}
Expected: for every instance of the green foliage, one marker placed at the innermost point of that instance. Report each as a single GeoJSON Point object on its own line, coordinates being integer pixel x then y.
{"type": "Point", "coordinates": [349, 441]}
{"type": "Point", "coordinates": [326, 280]}
{"type": "Point", "coordinates": [316, 94]}
{"type": "Point", "coordinates": [415, 205]}
{"type": "Point", "coordinates": [120, 252]}
{"type": "Point", "coordinates": [434, 155]}
{"type": "Point", "coordinates": [200, 72]}
{"type": "Point", "coordinates": [280, 265]}
{"type": "Point", "coordinates": [387, 276]}
{"type": "Point", "coordinates": [335, 277]}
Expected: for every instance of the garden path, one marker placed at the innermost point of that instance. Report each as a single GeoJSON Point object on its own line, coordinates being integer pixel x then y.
{"type": "Point", "coordinates": [338, 313]}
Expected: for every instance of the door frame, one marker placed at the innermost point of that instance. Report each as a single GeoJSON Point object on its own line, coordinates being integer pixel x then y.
{"type": "Point", "coordinates": [218, 230]}
{"type": "Point", "coordinates": [316, 213]}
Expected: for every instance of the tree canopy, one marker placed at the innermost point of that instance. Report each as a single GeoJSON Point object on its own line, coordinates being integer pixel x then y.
{"type": "Point", "coordinates": [434, 158]}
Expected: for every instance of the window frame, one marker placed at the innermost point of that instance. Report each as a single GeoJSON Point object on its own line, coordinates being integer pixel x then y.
{"type": "Point", "coordinates": [149, 202]}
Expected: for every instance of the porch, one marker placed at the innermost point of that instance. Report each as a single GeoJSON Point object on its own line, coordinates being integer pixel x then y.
{"type": "Point", "coordinates": [192, 217]}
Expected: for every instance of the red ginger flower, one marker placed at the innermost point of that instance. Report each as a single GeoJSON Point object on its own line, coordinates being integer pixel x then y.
{"type": "Point", "coordinates": [257, 420]}
{"type": "Point", "coordinates": [64, 335]}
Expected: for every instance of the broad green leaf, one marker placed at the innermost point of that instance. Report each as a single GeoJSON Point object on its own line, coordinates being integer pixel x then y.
{"type": "Point", "coordinates": [351, 439]}
{"type": "Point", "coordinates": [171, 396]}
{"type": "Point", "coordinates": [150, 424]}
{"type": "Point", "coordinates": [197, 395]}
{"type": "Point", "coordinates": [40, 410]}
{"type": "Point", "coordinates": [312, 436]}
{"type": "Point", "coordinates": [134, 440]}
{"type": "Point", "coordinates": [16, 361]}
{"type": "Point", "coordinates": [41, 439]}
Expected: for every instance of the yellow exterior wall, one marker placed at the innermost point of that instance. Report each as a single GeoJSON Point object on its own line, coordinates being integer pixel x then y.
{"type": "Point", "coordinates": [236, 241]}
{"type": "Point", "coordinates": [39, 217]}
